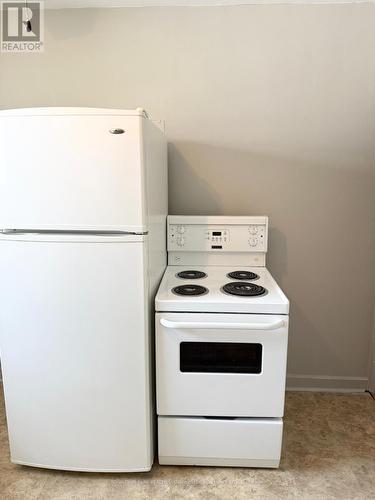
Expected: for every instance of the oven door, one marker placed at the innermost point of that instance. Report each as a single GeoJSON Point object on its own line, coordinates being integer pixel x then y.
{"type": "Point", "coordinates": [221, 364]}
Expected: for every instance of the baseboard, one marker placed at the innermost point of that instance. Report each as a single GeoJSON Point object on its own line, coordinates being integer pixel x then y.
{"type": "Point", "coordinates": [371, 385]}
{"type": "Point", "coordinates": [325, 383]}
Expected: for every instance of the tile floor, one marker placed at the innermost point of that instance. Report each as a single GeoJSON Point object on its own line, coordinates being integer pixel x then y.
{"type": "Point", "coordinates": [329, 452]}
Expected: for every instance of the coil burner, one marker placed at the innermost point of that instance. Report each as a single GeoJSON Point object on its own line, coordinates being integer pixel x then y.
{"type": "Point", "coordinates": [243, 275]}
{"type": "Point", "coordinates": [244, 289]}
{"type": "Point", "coordinates": [189, 290]}
{"type": "Point", "coordinates": [191, 275]}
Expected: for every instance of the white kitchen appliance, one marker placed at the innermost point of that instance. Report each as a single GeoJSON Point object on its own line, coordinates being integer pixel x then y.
{"type": "Point", "coordinates": [221, 345]}
{"type": "Point", "coordinates": [83, 204]}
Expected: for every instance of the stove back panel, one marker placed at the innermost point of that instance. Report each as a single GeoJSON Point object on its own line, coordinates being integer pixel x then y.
{"type": "Point", "coordinates": [217, 240]}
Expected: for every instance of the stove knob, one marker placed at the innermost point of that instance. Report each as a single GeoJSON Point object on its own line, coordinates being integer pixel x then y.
{"type": "Point", "coordinates": [180, 241]}
{"type": "Point", "coordinates": [253, 229]}
{"type": "Point", "coordinates": [181, 229]}
{"type": "Point", "coordinates": [253, 242]}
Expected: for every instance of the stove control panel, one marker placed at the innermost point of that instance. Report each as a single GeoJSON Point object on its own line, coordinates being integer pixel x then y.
{"type": "Point", "coordinates": [217, 234]}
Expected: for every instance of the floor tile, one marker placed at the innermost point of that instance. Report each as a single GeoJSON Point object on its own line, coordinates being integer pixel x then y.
{"type": "Point", "coordinates": [328, 453]}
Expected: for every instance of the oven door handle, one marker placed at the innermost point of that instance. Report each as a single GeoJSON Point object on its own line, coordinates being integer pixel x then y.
{"type": "Point", "coordinates": [196, 325]}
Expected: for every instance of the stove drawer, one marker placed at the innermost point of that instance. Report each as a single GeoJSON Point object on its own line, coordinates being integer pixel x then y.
{"type": "Point", "coordinates": [236, 442]}
{"type": "Point", "coordinates": [231, 365]}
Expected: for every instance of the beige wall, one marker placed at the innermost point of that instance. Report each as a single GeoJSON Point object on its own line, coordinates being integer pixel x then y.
{"type": "Point", "coordinates": [269, 110]}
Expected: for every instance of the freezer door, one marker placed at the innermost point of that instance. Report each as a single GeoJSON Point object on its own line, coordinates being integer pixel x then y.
{"type": "Point", "coordinates": [75, 352]}
{"type": "Point", "coordinates": [72, 172]}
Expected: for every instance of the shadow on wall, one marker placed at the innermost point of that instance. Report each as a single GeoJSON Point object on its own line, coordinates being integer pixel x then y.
{"type": "Point", "coordinates": [77, 28]}
{"type": "Point", "coordinates": [190, 193]}
{"type": "Point", "coordinates": [322, 224]}
{"type": "Point", "coordinates": [192, 190]}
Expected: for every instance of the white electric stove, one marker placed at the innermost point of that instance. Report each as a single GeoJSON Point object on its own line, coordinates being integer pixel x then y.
{"type": "Point", "coordinates": [221, 345]}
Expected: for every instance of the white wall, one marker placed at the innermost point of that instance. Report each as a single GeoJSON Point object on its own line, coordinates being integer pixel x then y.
{"type": "Point", "coordinates": [269, 110]}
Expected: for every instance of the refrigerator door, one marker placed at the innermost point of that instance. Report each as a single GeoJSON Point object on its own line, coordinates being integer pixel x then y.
{"type": "Point", "coordinates": [75, 351]}
{"type": "Point", "coordinates": [65, 171]}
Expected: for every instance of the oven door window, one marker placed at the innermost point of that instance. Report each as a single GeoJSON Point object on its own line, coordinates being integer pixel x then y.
{"type": "Point", "coordinates": [220, 357]}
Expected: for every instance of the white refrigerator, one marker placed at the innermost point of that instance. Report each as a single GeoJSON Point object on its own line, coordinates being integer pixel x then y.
{"type": "Point", "coordinates": [83, 204]}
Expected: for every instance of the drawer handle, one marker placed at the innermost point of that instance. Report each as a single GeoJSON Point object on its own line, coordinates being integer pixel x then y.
{"type": "Point", "coordinates": [195, 325]}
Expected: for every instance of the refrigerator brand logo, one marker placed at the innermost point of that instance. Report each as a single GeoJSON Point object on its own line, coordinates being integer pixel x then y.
{"type": "Point", "coordinates": [22, 27]}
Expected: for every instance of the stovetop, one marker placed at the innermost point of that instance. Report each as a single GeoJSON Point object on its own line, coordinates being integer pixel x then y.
{"type": "Point", "coordinates": [220, 289]}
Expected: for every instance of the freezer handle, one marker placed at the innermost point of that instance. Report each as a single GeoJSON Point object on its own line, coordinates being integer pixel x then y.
{"type": "Point", "coordinates": [195, 325]}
